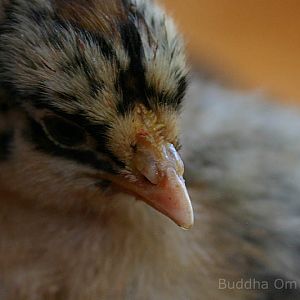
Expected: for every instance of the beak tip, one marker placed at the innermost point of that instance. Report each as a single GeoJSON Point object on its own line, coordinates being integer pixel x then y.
{"type": "Point", "coordinates": [186, 227]}
{"type": "Point", "coordinates": [187, 222]}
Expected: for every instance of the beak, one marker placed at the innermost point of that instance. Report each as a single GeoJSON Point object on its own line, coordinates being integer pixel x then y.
{"type": "Point", "coordinates": [159, 182]}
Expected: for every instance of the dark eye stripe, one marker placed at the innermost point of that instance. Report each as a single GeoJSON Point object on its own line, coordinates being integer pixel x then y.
{"type": "Point", "coordinates": [97, 131]}
{"type": "Point", "coordinates": [36, 135]}
{"type": "Point", "coordinates": [64, 132]}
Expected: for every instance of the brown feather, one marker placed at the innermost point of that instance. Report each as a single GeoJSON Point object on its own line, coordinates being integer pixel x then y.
{"type": "Point", "coordinates": [93, 15]}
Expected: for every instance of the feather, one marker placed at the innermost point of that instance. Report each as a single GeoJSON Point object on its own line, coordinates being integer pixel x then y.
{"type": "Point", "coordinates": [89, 126]}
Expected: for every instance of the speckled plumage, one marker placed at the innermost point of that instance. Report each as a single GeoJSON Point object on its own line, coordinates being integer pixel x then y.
{"type": "Point", "coordinates": [51, 62]}
{"type": "Point", "coordinates": [64, 234]}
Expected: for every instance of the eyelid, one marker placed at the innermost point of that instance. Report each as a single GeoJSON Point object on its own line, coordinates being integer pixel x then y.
{"type": "Point", "coordinates": [40, 114]}
{"type": "Point", "coordinates": [64, 141]}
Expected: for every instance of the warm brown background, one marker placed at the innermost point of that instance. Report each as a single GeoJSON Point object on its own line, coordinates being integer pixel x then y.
{"type": "Point", "coordinates": [254, 42]}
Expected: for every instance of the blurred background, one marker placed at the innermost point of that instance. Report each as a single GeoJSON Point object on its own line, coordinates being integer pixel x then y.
{"type": "Point", "coordinates": [250, 43]}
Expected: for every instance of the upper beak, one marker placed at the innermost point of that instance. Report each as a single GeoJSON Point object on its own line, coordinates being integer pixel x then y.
{"type": "Point", "coordinates": [160, 183]}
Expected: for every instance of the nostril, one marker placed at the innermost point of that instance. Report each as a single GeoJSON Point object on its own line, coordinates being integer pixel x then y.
{"type": "Point", "coordinates": [147, 180]}
{"type": "Point", "coordinates": [148, 170]}
{"type": "Point", "coordinates": [151, 174]}
{"type": "Point", "coordinates": [146, 164]}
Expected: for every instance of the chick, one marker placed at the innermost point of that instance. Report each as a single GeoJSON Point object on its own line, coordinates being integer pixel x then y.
{"type": "Point", "coordinates": [91, 94]}
{"type": "Point", "coordinates": [97, 89]}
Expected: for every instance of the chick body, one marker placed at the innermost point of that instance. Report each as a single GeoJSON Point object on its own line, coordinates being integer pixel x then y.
{"type": "Point", "coordinates": [62, 237]}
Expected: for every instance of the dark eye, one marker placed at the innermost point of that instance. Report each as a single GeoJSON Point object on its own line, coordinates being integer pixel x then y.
{"type": "Point", "coordinates": [64, 132]}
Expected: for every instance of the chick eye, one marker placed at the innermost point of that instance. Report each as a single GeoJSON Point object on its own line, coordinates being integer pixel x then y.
{"type": "Point", "coordinates": [63, 132]}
